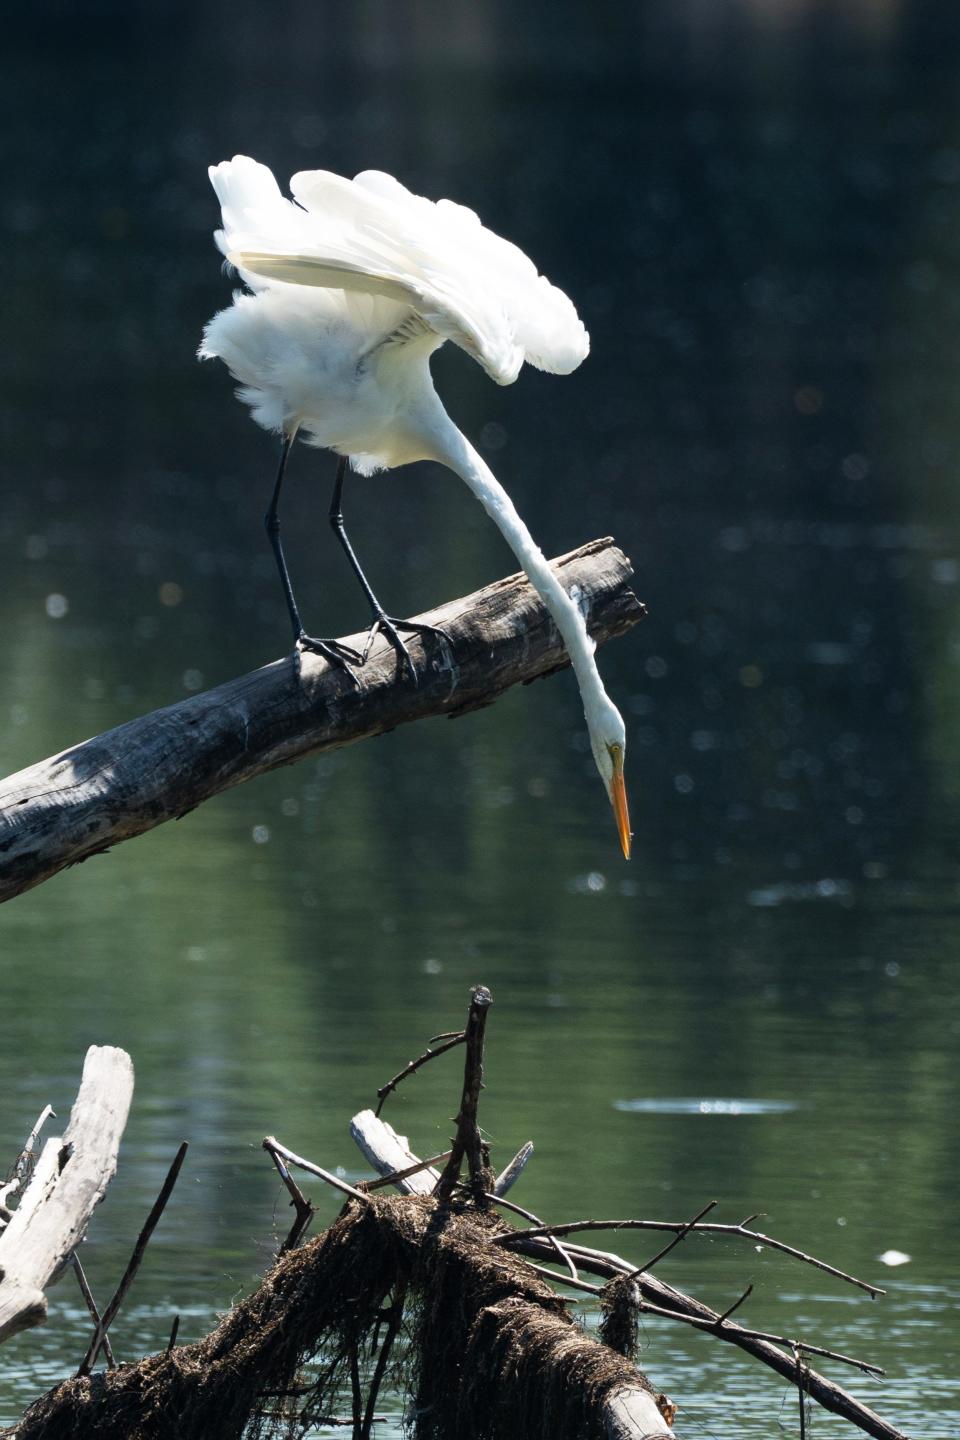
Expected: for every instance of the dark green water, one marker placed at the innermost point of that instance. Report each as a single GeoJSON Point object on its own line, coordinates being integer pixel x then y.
{"type": "Point", "coordinates": [759, 222]}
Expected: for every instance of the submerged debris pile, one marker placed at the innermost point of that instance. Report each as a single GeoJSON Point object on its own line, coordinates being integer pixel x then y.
{"type": "Point", "coordinates": [428, 1291]}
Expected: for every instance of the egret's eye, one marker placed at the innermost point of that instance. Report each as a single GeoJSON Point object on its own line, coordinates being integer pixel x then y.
{"type": "Point", "coordinates": [616, 750]}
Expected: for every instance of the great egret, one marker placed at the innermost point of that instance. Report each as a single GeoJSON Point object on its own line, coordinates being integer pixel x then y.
{"type": "Point", "coordinates": [354, 284]}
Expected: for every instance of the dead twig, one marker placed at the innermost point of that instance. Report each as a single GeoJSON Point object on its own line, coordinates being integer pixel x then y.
{"type": "Point", "coordinates": [398, 1175]}
{"type": "Point", "coordinates": [91, 1305]}
{"type": "Point", "coordinates": [561, 1250]}
{"type": "Point", "coordinates": [803, 1409]}
{"type": "Point", "coordinates": [303, 1209]}
{"type": "Point", "coordinates": [513, 1237]}
{"type": "Point", "coordinates": [22, 1167]}
{"type": "Point", "coordinates": [719, 1323]}
{"type": "Point", "coordinates": [356, 1394]}
{"type": "Point", "coordinates": [736, 1304]}
{"type": "Point", "coordinates": [680, 1235]}
{"type": "Point", "coordinates": [331, 1420]}
{"type": "Point", "coordinates": [273, 1147]}
{"type": "Point", "coordinates": [413, 1065]}
{"type": "Point", "coordinates": [511, 1173]}
{"type": "Point", "coordinates": [133, 1265]}
{"type": "Point", "coordinates": [577, 1284]}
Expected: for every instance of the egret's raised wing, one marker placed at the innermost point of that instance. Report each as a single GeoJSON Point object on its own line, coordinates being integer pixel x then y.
{"type": "Point", "coordinates": [374, 236]}
{"type": "Point", "coordinates": [343, 275]}
{"type": "Point", "coordinates": [483, 286]}
{"type": "Point", "coordinates": [251, 204]}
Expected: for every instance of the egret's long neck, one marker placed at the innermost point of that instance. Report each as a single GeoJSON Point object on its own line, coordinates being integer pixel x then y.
{"type": "Point", "coordinates": [460, 456]}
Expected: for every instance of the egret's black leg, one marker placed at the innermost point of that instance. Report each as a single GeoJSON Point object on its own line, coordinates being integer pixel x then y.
{"type": "Point", "coordinates": [331, 650]}
{"type": "Point", "coordinates": [389, 625]}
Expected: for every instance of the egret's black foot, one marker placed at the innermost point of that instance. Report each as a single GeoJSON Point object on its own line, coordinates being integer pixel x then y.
{"type": "Point", "coordinates": [389, 627]}
{"type": "Point", "coordinates": [340, 656]}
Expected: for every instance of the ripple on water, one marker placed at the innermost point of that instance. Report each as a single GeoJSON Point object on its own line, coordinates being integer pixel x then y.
{"type": "Point", "coordinates": [679, 1105]}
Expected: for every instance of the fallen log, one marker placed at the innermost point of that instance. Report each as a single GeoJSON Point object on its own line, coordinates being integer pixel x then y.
{"type": "Point", "coordinates": [162, 765]}
{"type": "Point", "coordinates": [497, 1355]}
{"type": "Point", "coordinates": [68, 1182]}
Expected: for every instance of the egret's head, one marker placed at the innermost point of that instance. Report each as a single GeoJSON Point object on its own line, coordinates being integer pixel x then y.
{"type": "Point", "coordinates": [608, 741]}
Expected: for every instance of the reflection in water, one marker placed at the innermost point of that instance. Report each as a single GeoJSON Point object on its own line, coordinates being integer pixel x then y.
{"type": "Point", "coordinates": [760, 227]}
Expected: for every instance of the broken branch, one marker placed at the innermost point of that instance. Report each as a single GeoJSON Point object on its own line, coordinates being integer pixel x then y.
{"type": "Point", "coordinates": [680, 1235]}
{"type": "Point", "coordinates": [24, 1163]}
{"type": "Point", "coordinates": [414, 1065]}
{"type": "Point", "coordinates": [468, 1141]}
{"type": "Point", "coordinates": [133, 1264]}
{"type": "Point", "coordinates": [511, 1173]}
{"type": "Point", "coordinates": [91, 1305]}
{"type": "Point", "coordinates": [675, 1302]}
{"type": "Point", "coordinates": [682, 1227]}
{"type": "Point", "coordinates": [391, 1156]}
{"type": "Point", "coordinates": [718, 1324]}
{"type": "Point", "coordinates": [273, 1146]}
{"type": "Point", "coordinates": [397, 1176]}
{"type": "Point", "coordinates": [304, 1211]}
{"type": "Point", "coordinates": [162, 765]}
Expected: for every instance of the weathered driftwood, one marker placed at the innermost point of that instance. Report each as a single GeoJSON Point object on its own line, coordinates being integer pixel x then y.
{"type": "Point", "coordinates": [162, 765]}
{"type": "Point", "coordinates": [630, 1412]}
{"type": "Point", "coordinates": [511, 1173]}
{"type": "Point", "coordinates": [390, 1155]}
{"type": "Point", "coordinates": [389, 1152]}
{"type": "Point", "coordinates": [68, 1182]}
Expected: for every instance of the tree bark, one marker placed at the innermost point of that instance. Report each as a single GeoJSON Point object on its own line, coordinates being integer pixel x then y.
{"type": "Point", "coordinates": [160, 766]}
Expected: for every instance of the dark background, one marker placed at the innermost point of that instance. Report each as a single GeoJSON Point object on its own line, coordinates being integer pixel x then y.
{"type": "Point", "coordinates": [755, 206]}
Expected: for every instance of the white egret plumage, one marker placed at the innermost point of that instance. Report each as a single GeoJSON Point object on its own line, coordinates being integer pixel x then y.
{"type": "Point", "coordinates": [354, 284]}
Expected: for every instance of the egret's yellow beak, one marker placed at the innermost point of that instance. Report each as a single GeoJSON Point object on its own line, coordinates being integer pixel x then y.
{"type": "Point", "coordinates": [618, 799]}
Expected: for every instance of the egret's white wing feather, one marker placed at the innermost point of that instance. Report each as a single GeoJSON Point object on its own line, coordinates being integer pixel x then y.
{"type": "Point", "coordinates": [328, 273]}
{"type": "Point", "coordinates": [373, 236]}
{"type": "Point", "coordinates": [325, 273]}
{"type": "Point", "coordinates": [251, 203]}
{"type": "Point", "coordinates": [481, 283]}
